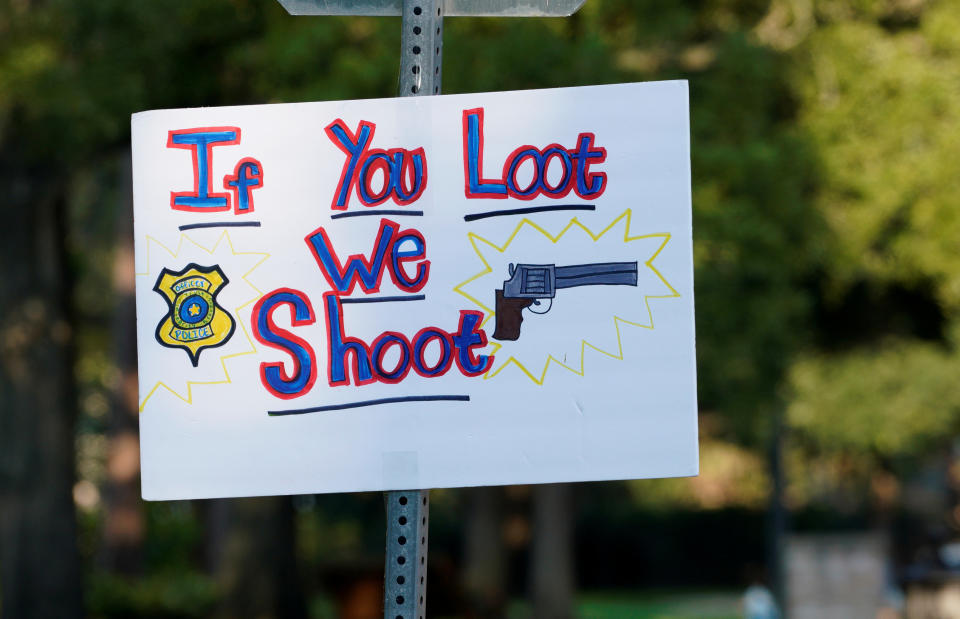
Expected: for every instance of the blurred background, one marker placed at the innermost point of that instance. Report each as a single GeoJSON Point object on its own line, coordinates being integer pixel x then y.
{"type": "Point", "coordinates": [825, 141]}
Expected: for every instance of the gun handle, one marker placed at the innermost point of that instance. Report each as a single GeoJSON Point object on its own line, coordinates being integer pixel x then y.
{"type": "Point", "coordinates": [509, 315]}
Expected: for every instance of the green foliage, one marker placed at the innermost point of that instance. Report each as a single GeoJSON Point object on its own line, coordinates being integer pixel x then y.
{"type": "Point", "coordinates": [756, 239]}
{"type": "Point", "coordinates": [894, 400]}
{"type": "Point", "coordinates": [650, 605]}
{"type": "Point", "coordinates": [883, 109]}
{"type": "Point", "coordinates": [175, 534]}
{"type": "Point", "coordinates": [318, 59]}
{"type": "Point", "coordinates": [877, 85]}
{"type": "Point", "coordinates": [176, 594]}
{"type": "Point", "coordinates": [172, 586]}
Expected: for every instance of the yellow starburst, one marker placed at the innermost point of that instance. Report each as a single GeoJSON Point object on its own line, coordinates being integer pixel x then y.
{"type": "Point", "coordinates": [173, 253]}
{"type": "Point", "coordinates": [539, 376]}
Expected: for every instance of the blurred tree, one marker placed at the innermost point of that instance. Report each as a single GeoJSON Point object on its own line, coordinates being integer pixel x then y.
{"type": "Point", "coordinates": [124, 525]}
{"type": "Point", "coordinates": [877, 87]}
{"type": "Point", "coordinates": [257, 569]}
{"type": "Point", "coordinates": [70, 75]}
{"type": "Point", "coordinates": [552, 577]}
{"type": "Point", "coordinates": [485, 554]}
{"type": "Point", "coordinates": [39, 560]}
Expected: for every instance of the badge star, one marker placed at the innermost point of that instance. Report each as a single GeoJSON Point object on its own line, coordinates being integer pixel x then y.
{"type": "Point", "coordinates": [194, 309]}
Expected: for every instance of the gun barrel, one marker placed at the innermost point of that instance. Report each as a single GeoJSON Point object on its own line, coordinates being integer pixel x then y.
{"type": "Point", "coordinates": [598, 274]}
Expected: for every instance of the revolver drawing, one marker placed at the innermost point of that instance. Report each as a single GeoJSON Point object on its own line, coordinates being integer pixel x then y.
{"type": "Point", "coordinates": [531, 283]}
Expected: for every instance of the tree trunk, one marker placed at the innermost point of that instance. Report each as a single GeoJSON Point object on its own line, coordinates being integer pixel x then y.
{"type": "Point", "coordinates": [552, 558]}
{"type": "Point", "coordinates": [39, 560]}
{"type": "Point", "coordinates": [123, 529]}
{"type": "Point", "coordinates": [485, 569]}
{"type": "Point", "coordinates": [777, 515]}
{"type": "Point", "coordinates": [257, 571]}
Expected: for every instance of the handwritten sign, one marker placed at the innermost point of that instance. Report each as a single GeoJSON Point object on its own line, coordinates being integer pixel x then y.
{"type": "Point", "coordinates": [415, 293]}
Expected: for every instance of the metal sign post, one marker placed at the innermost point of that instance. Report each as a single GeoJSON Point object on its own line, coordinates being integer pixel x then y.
{"type": "Point", "coordinates": [421, 52]}
{"type": "Point", "coordinates": [405, 567]}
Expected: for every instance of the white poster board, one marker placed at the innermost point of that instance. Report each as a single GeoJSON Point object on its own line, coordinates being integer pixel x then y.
{"type": "Point", "coordinates": [330, 295]}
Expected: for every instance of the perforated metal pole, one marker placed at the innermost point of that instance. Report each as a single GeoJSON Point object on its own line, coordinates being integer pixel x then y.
{"type": "Point", "coordinates": [408, 521]}
{"type": "Point", "coordinates": [421, 48]}
{"type": "Point", "coordinates": [405, 574]}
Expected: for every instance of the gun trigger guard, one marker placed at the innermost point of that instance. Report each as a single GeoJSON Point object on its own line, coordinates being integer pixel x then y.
{"type": "Point", "coordinates": [537, 302]}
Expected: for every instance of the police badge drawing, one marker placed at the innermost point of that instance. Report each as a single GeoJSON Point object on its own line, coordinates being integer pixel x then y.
{"type": "Point", "coordinates": [194, 321]}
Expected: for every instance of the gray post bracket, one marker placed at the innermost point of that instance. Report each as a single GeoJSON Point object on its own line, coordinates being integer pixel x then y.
{"type": "Point", "coordinates": [405, 574]}
{"type": "Point", "coordinates": [451, 8]}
